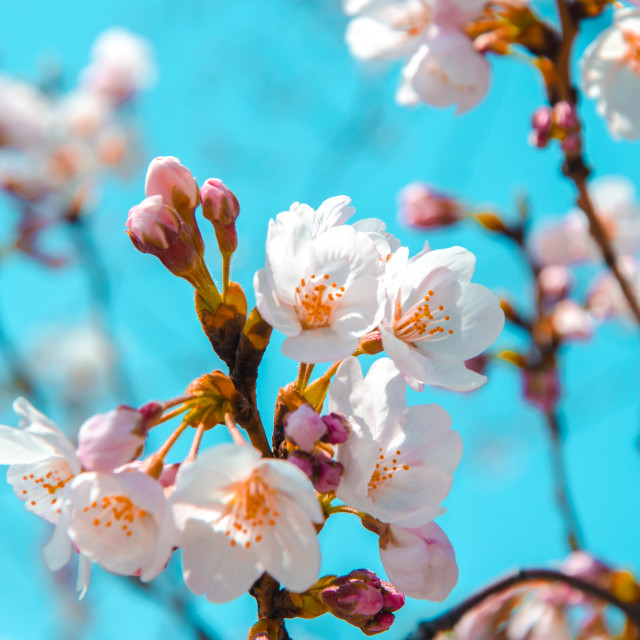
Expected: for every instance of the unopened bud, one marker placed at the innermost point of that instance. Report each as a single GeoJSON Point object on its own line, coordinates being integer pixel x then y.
{"type": "Point", "coordinates": [170, 179]}
{"type": "Point", "coordinates": [571, 143]}
{"type": "Point", "coordinates": [352, 598]}
{"type": "Point", "coordinates": [564, 115]}
{"type": "Point", "coordinates": [221, 207]}
{"type": "Point", "coordinates": [304, 427]}
{"type": "Point", "coordinates": [422, 207]}
{"type": "Point", "coordinates": [555, 281]}
{"type": "Point", "coordinates": [156, 228]}
{"type": "Point", "coordinates": [303, 460]}
{"type": "Point", "coordinates": [328, 476]}
{"type": "Point", "coordinates": [337, 428]}
{"type": "Point", "coordinates": [214, 397]}
{"type": "Point", "coordinates": [109, 440]}
{"type": "Point", "coordinates": [381, 622]}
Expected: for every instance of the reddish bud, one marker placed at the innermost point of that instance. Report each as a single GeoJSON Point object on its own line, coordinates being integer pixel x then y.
{"type": "Point", "coordinates": [221, 207]}
{"type": "Point", "coordinates": [337, 428]}
{"type": "Point", "coordinates": [304, 427]}
{"type": "Point", "coordinates": [422, 207]}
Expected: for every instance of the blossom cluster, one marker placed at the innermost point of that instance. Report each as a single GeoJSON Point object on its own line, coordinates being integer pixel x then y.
{"type": "Point", "coordinates": [55, 146]}
{"type": "Point", "coordinates": [237, 511]}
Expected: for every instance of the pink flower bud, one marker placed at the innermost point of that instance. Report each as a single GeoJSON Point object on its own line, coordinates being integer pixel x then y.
{"type": "Point", "coordinates": [171, 180]}
{"type": "Point", "coordinates": [337, 428]}
{"type": "Point", "coordinates": [304, 462]}
{"type": "Point", "coordinates": [393, 599]}
{"type": "Point", "coordinates": [304, 427]}
{"type": "Point", "coordinates": [327, 476]}
{"type": "Point", "coordinates": [555, 281]}
{"type": "Point", "coordinates": [424, 208]}
{"type": "Point", "coordinates": [477, 363]}
{"type": "Point", "coordinates": [564, 115]}
{"type": "Point", "coordinates": [352, 598]}
{"type": "Point", "coordinates": [109, 440]}
{"type": "Point", "coordinates": [571, 142]}
{"type": "Point", "coordinates": [154, 227]}
{"type": "Point", "coordinates": [221, 207]}
{"type": "Point", "coordinates": [542, 121]}
{"type": "Point", "coordinates": [381, 622]}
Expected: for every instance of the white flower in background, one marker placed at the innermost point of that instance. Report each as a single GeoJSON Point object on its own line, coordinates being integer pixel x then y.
{"type": "Point", "coordinates": [605, 298]}
{"type": "Point", "coordinates": [611, 74]}
{"type": "Point", "coordinates": [443, 67]}
{"type": "Point", "coordinates": [446, 70]}
{"type": "Point", "coordinates": [42, 466]}
{"type": "Point", "coordinates": [237, 515]}
{"type": "Point", "coordinates": [569, 241]}
{"type": "Point", "coordinates": [114, 519]}
{"type": "Point", "coordinates": [322, 291]}
{"type": "Point", "coordinates": [435, 318]}
{"type": "Point", "coordinates": [420, 562]}
{"type": "Point", "coordinates": [122, 65]}
{"type": "Point", "coordinates": [398, 460]}
{"type": "Point", "coordinates": [25, 115]}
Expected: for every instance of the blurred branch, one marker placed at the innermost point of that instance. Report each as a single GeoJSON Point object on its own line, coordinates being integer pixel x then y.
{"type": "Point", "coordinates": [575, 167]}
{"type": "Point", "coordinates": [446, 621]}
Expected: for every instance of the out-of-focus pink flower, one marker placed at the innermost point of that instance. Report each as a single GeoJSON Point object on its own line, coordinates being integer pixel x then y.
{"type": "Point", "coordinates": [169, 178]}
{"type": "Point", "coordinates": [555, 281]}
{"type": "Point", "coordinates": [571, 322]}
{"type": "Point", "coordinates": [420, 562]}
{"type": "Point", "coordinates": [446, 70]}
{"type": "Point", "coordinates": [569, 241]}
{"type": "Point", "coordinates": [541, 123]}
{"type": "Point", "coordinates": [425, 208]}
{"type": "Point", "coordinates": [122, 65]}
{"type": "Point", "coordinates": [564, 115]}
{"type": "Point", "coordinates": [611, 73]}
{"type": "Point", "coordinates": [304, 427]}
{"type": "Point", "coordinates": [109, 440]}
{"type": "Point", "coordinates": [539, 620]}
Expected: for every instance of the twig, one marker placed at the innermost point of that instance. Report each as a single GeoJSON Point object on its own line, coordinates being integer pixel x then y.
{"type": "Point", "coordinates": [446, 621]}
{"type": "Point", "coordinates": [575, 167]}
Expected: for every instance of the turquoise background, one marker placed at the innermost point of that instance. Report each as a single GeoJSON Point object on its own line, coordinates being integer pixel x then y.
{"type": "Point", "coordinates": [266, 96]}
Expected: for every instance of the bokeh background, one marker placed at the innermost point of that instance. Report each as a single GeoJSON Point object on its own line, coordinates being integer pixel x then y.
{"type": "Point", "coordinates": [266, 96]}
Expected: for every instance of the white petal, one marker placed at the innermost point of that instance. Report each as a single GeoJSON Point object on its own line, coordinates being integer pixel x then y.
{"type": "Point", "coordinates": [17, 447]}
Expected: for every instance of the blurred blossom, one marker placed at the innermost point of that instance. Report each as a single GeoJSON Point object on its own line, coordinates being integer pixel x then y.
{"type": "Point", "coordinates": [76, 361]}
{"type": "Point", "coordinates": [541, 388]}
{"type": "Point", "coordinates": [605, 298]}
{"type": "Point", "coordinates": [555, 281]}
{"type": "Point", "coordinates": [443, 67]}
{"type": "Point", "coordinates": [571, 322]}
{"type": "Point", "coordinates": [425, 208]}
{"type": "Point", "coordinates": [569, 241]}
{"type": "Point", "coordinates": [611, 73]}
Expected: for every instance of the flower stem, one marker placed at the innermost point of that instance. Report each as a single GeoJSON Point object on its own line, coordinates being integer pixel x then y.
{"type": "Point", "coordinates": [195, 445]}
{"type": "Point", "coordinates": [234, 431]}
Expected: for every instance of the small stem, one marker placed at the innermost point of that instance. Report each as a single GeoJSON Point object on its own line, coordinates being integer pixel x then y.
{"type": "Point", "coordinates": [160, 454]}
{"type": "Point", "coordinates": [172, 403]}
{"type": "Point", "coordinates": [561, 484]}
{"type": "Point", "coordinates": [341, 508]}
{"type": "Point", "coordinates": [195, 445]}
{"type": "Point", "coordinates": [307, 375]}
{"type": "Point", "coordinates": [302, 372]}
{"type": "Point", "coordinates": [446, 621]}
{"type": "Point", "coordinates": [234, 431]}
{"type": "Point", "coordinates": [226, 266]}
{"type": "Point", "coordinates": [172, 414]}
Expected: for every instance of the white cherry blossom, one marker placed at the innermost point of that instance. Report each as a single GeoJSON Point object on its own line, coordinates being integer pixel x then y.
{"type": "Point", "coordinates": [420, 562]}
{"type": "Point", "coordinates": [435, 318]}
{"type": "Point", "coordinates": [237, 515]}
{"type": "Point", "coordinates": [320, 288]}
{"type": "Point", "coordinates": [398, 460]}
{"type": "Point", "coordinates": [43, 464]}
{"type": "Point", "coordinates": [114, 519]}
{"type": "Point", "coordinates": [611, 74]}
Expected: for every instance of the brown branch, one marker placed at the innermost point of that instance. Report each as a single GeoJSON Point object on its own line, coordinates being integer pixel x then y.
{"type": "Point", "coordinates": [575, 167]}
{"type": "Point", "coordinates": [446, 621]}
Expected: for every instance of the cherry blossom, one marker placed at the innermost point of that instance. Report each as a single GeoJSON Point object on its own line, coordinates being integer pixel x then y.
{"type": "Point", "coordinates": [611, 74]}
{"type": "Point", "coordinates": [322, 291]}
{"type": "Point", "coordinates": [435, 318]}
{"type": "Point", "coordinates": [420, 562]}
{"type": "Point", "coordinates": [114, 519]}
{"type": "Point", "coordinates": [398, 460]}
{"type": "Point", "coordinates": [237, 515]}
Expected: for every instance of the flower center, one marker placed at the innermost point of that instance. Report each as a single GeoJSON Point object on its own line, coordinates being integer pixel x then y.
{"type": "Point", "coordinates": [117, 512]}
{"type": "Point", "coordinates": [632, 54]}
{"type": "Point", "coordinates": [315, 300]}
{"type": "Point", "coordinates": [253, 507]}
{"type": "Point", "coordinates": [386, 466]}
{"type": "Point", "coordinates": [422, 322]}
